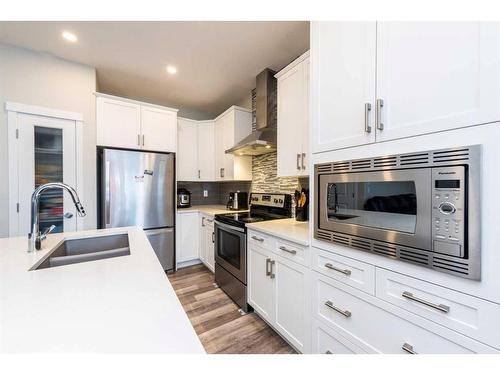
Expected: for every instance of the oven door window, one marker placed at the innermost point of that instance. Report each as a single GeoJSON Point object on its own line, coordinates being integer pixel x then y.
{"type": "Point", "coordinates": [228, 247]}
{"type": "Point", "coordinates": [390, 205]}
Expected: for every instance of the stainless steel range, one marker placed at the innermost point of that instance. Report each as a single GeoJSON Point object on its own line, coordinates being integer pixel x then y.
{"type": "Point", "coordinates": [231, 242]}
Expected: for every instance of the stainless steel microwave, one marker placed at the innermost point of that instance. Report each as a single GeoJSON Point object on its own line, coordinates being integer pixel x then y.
{"type": "Point", "coordinates": [422, 208]}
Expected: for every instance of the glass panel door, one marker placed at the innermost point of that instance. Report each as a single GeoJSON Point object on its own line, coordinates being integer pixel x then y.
{"type": "Point", "coordinates": [49, 168]}
{"type": "Point", "coordinates": [47, 153]}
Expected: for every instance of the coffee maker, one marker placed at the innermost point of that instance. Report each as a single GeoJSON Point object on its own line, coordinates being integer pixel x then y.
{"type": "Point", "coordinates": [237, 201]}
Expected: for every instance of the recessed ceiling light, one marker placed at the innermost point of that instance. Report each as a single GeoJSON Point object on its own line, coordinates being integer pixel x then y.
{"type": "Point", "coordinates": [171, 69]}
{"type": "Point", "coordinates": [70, 37]}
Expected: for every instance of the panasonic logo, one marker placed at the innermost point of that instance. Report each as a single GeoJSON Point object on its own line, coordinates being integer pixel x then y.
{"type": "Point", "coordinates": [447, 172]}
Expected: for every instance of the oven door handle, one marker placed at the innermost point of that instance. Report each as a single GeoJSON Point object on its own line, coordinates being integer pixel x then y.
{"type": "Point", "coordinates": [229, 227]}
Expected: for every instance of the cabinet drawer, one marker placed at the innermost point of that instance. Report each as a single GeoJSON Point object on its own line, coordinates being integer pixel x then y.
{"type": "Point", "coordinates": [355, 315]}
{"type": "Point", "coordinates": [327, 341]}
{"type": "Point", "coordinates": [469, 315]}
{"type": "Point", "coordinates": [262, 240]}
{"type": "Point", "coordinates": [352, 272]}
{"type": "Point", "coordinates": [291, 251]}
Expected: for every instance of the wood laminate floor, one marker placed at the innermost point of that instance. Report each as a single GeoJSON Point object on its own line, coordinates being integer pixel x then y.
{"type": "Point", "coordinates": [216, 319]}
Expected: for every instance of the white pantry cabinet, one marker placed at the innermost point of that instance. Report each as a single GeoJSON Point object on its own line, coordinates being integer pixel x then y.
{"type": "Point", "coordinates": [207, 241]}
{"type": "Point", "coordinates": [187, 240]}
{"type": "Point", "coordinates": [293, 118]}
{"type": "Point", "coordinates": [390, 80]}
{"type": "Point", "coordinates": [278, 291]}
{"type": "Point", "coordinates": [231, 127]}
{"type": "Point", "coordinates": [131, 124]}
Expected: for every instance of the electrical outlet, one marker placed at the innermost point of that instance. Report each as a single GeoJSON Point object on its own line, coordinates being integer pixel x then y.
{"type": "Point", "coordinates": [205, 193]}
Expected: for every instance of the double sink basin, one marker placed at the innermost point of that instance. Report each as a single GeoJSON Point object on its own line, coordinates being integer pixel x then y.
{"type": "Point", "coordinates": [88, 249]}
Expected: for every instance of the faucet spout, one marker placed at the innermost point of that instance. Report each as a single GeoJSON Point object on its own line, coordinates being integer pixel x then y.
{"type": "Point", "coordinates": [35, 237]}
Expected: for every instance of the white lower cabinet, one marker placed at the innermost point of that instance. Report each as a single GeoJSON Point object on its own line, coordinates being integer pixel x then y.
{"type": "Point", "coordinates": [207, 241]}
{"type": "Point", "coordinates": [187, 237]}
{"type": "Point", "coordinates": [376, 326]}
{"type": "Point", "coordinates": [278, 291]}
{"type": "Point", "coordinates": [327, 341]}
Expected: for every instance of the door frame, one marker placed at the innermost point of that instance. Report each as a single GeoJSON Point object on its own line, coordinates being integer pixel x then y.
{"type": "Point", "coordinates": [13, 111]}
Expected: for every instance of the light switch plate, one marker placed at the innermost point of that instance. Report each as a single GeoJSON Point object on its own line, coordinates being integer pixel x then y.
{"type": "Point", "coordinates": [205, 193]}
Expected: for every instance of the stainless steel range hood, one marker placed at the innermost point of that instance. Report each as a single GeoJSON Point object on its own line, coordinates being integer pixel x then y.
{"type": "Point", "coordinates": [263, 139]}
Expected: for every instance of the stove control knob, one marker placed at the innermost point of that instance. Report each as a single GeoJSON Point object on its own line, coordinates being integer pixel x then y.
{"type": "Point", "coordinates": [281, 200]}
{"type": "Point", "coordinates": [275, 200]}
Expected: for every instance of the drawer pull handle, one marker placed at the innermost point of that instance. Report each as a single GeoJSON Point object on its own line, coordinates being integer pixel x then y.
{"type": "Point", "coordinates": [346, 313]}
{"type": "Point", "coordinates": [332, 267]}
{"type": "Point", "coordinates": [288, 250]}
{"type": "Point", "coordinates": [439, 307]}
{"type": "Point", "coordinates": [257, 239]}
{"type": "Point", "coordinates": [268, 262]}
{"type": "Point", "coordinates": [328, 352]}
{"type": "Point", "coordinates": [408, 348]}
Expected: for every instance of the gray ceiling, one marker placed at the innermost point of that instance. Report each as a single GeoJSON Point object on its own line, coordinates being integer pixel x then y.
{"type": "Point", "coordinates": [216, 61]}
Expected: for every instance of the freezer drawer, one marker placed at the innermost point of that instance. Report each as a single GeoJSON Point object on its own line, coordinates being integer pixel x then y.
{"type": "Point", "coordinates": [162, 242]}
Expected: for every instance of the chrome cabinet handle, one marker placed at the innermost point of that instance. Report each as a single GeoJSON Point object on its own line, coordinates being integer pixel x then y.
{"type": "Point", "coordinates": [291, 251]}
{"type": "Point", "coordinates": [143, 138]}
{"type": "Point", "coordinates": [439, 307]}
{"type": "Point", "coordinates": [332, 267]}
{"type": "Point", "coordinates": [380, 105]}
{"type": "Point", "coordinates": [213, 237]}
{"type": "Point", "coordinates": [203, 221]}
{"type": "Point", "coordinates": [368, 108]}
{"type": "Point", "coordinates": [222, 172]}
{"type": "Point", "coordinates": [68, 215]}
{"type": "Point", "coordinates": [257, 239]}
{"type": "Point", "coordinates": [408, 348]}
{"type": "Point", "coordinates": [272, 275]}
{"type": "Point", "coordinates": [346, 313]}
{"type": "Point", "coordinates": [199, 174]}
{"type": "Point", "coordinates": [303, 164]}
{"type": "Point", "coordinates": [138, 139]}
{"type": "Point", "coordinates": [268, 262]}
{"type": "Point", "coordinates": [298, 162]}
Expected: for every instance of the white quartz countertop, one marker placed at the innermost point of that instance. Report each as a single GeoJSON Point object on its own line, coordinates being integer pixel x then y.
{"type": "Point", "coordinates": [288, 229]}
{"type": "Point", "coordinates": [118, 305]}
{"type": "Point", "coordinates": [209, 209]}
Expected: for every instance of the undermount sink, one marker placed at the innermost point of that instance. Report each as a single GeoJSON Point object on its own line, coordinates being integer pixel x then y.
{"type": "Point", "coordinates": [341, 216]}
{"type": "Point", "coordinates": [86, 250]}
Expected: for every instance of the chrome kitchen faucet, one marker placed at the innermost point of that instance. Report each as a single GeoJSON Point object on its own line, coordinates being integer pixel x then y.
{"type": "Point", "coordinates": [35, 238]}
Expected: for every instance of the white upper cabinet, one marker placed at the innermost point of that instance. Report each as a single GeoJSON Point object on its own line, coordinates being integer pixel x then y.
{"type": "Point", "coordinates": [118, 123]}
{"type": "Point", "coordinates": [187, 154]}
{"type": "Point", "coordinates": [415, 77]}
{"type": "Point", "coordinates": [342, 84]}
{"type": "Point", "coordinates": [434, 76]}
{"type": "Point", "coordinates": [158, 129]}
{"type": "Point", "coordinates": [130, 124]}
{"type": "Point", "coordinates": [293, 117]}
{"type": "Point", "coordinates": [231, 127]}
{"type": "Point", "coordinates": [206, 150]}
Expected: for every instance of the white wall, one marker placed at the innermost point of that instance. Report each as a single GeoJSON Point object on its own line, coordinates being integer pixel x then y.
{"type": "Point", "coordinates": [40, 79]}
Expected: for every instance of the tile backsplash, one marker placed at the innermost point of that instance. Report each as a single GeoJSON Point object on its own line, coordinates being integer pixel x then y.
{"type": "Point", "coordinates": [265, 180]}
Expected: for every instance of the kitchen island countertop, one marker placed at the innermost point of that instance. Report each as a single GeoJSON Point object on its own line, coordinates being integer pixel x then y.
{"type": "Point", "coordinates": [117, 305]}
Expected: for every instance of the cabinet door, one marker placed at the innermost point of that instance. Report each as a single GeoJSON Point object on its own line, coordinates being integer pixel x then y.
{"type": "Point", "coordinates": [159, 129]}
{"type": "Point", "coordinates": [260, 284]}
{"type": "Point", "coordinates": [187, 155]}
{"type": "Point", "coordinates": [187, 241]}
{"type": "Point", "coordinates": [228, 142]}
{"type": "Point", "coordinates": [292, 315]}
{"type": "Point", "coordinates": [306, 68]}
{"type": "Point", "coordinates": [206, 150]}
{"type": "Point", "coordinates": [203, 246]}
{"type": "Point", "coordinates": [118, 123]}
{"type": "Point", "coordinates": [210, 245]}
{"type": "Point", "coordinates": [291, 121]}
{"type": "Point", "coordinates": [434, 76]}
{"type": "Point", "coordinates": [219, 148]}
{"type": "Point", "coordinates": [343, 82]}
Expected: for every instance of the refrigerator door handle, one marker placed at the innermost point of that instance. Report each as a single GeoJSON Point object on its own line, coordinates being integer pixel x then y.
{"type": "Point", "coordinates": [107, 195]}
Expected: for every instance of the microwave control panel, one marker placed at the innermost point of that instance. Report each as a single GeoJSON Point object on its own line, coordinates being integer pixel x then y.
{"type": "Point", "coordinates": [448, 210]}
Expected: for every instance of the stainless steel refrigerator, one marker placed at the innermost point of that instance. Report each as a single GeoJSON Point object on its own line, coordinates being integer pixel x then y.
{"type": "Point", "coordinates": [137, 189]}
